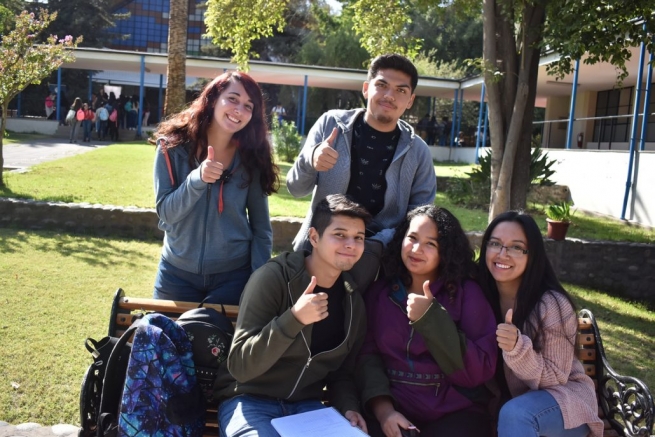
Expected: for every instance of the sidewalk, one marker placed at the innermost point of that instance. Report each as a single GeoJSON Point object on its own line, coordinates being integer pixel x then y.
{"type": "Point", "coordinates": [36, 430]}
{"type": "Point", "coordinates": [19, 156]}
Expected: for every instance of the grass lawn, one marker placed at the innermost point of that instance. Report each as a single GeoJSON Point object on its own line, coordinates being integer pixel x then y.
{"type": "Point", "coordinates": [46, 313]}
{"type": "Point", "coordinates": [121, 174]}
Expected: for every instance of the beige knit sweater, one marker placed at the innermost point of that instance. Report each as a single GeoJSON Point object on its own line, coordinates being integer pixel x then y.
{"type": "Point", "coordinates": [556, 368]}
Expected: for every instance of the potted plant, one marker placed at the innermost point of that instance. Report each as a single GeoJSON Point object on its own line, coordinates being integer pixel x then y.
{"type": "Point", "coordinates": [558, 220]}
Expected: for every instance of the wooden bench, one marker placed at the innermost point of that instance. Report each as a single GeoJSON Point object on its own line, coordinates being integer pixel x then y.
{"type": "Point", "coordinates": [625, 403]}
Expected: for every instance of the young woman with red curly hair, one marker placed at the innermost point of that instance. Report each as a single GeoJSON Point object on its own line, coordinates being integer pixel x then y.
{"type": "Point", "coordinates": [213, 174]}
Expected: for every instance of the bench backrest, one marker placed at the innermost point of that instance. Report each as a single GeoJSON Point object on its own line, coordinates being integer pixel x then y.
{"type": "Point", "coordinates": [625, 403]}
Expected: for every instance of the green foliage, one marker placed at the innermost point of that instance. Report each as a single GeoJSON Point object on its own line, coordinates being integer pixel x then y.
{"type": "Point", "coordinates": [474, 192]}
{"type": "Point", "coordinates": [286, 139]}
{"type": "Point", "coordinates": [540, 167]}
{"type": "Point", "coordinates": [560, 212]}
{"type": "Point", "coordinates": [235, 24]}
{"type": "Point", "coordinates": [383, 27]}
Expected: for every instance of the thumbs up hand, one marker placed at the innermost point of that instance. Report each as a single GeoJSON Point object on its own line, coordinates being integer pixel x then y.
{"type": "Point", "coordinates": [310, 307]}
{"type": "Point", "coordinates": [418, 304]}
{"type": "Point", "coordinates": [324, 156]}
{"type": "Point", "coordinates": [210, 170]}
{"type": "Point", "coordinates": [507, 334]}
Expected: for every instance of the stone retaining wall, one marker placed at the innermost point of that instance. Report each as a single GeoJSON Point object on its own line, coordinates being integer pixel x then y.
{"type": "Point", "coordinates": [627, 269]}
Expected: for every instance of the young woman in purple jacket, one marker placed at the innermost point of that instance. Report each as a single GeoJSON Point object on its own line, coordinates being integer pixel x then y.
{"type": "Point", "coordinates": [431, 340]}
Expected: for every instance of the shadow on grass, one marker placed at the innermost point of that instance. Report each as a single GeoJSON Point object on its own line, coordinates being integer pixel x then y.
{"type": "Point", "coordinates": [92, 250]}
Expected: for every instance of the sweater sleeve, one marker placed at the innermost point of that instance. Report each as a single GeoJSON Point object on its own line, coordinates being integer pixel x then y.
{"type": "Point", "coordinates": [466, 351]}
{"type": "Point", "coordinates": [424, 186]}
{"type": "Point", "coordinates": [175, 202]}
{"type": "Point", "coordinates": [370, 373]}
{"type": "Point", "coordinates": [264, 330]}
{"type": "Point", "coordinates": [302, 177]}
{"type": "Point", "coordinates": [552, 365]}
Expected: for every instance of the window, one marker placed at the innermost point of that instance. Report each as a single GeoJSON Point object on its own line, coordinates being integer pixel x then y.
{"type": "Point", "coordinates": [610, 104]}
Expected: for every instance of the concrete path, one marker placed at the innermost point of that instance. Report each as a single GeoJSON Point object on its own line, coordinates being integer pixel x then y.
{"type": "Point", "coordinates": [35, 151]}
{"type": "Point", "coordinates": [36, 430]}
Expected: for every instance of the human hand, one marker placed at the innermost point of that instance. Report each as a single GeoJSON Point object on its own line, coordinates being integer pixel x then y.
{"type": "Point", "coordinates": [210, 170]}
{"type": "Point", "coordinates": [418, 304]}
{"type": "Point", "coordinates": [310, 307]}
{"type": "Point", "coordinates": [392, 423]}
{"type": "Point", "coordinates": [324, 156]}
{"type": "Point", "coordinates": [356, 419]}
{"type": "Point", "coordinates": [507, 335]}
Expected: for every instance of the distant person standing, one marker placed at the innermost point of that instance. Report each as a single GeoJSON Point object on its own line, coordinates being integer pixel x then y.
{"type": "Point", "coordinates": [77, 105]}
{"type": "Point", "coordinates": [422, 127]}
{"type": "Point", "coordinates": [50, 102]}
{"type": "Point", "coordinates": [279, 112]}
{"type": "Point", "coordinates": [447, 127]}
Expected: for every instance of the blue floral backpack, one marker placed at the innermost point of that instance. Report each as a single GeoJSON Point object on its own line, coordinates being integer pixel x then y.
{"type": "Point", "coordinates": [161, 396]}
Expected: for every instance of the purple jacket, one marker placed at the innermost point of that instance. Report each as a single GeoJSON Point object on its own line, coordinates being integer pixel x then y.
{"type": "Point", "coordinates": [419, 364]}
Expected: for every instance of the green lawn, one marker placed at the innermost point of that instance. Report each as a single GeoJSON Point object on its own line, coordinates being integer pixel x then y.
{"type": "Point", "coordinates": [57, 290]}
{"type": "Point", "coordinates": [121, 174]}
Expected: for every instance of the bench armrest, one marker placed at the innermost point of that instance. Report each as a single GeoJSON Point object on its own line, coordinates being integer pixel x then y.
{"type": "Point", "coordinates": [626, 401]}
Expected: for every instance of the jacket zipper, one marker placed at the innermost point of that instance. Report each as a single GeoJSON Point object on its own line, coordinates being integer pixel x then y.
{"type": "Point", "coordinates": [310, 358]}
{"type": "Point", "coordinates": [410, 362]}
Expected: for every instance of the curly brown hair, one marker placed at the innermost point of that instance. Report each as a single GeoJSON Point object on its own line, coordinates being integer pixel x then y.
{"type": "Point", "coordinates": [189, 128]}
{"type": "Point", "coordinates": [456, 258]}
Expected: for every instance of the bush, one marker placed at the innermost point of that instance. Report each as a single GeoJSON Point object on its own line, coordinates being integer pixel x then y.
{"type": "Point", "coordinates": [475, 191]}
{"type": "Point", "coordinates": [286, 139]}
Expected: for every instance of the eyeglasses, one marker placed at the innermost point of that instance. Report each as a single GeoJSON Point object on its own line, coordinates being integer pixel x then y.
{"type": "Point", "coordinates": [511, 251]}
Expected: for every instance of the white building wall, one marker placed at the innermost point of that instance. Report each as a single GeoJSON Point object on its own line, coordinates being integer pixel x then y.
{"type": "Point", "coordinates": [597, 179]}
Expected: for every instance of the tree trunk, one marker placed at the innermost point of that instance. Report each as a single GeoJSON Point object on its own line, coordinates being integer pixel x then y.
{"type": "Point", "coordinates": [176, 73]}
{"type": "Point", "coordinates": [5, 105]}
{"type": "Point", "coordinates": [511, 101]}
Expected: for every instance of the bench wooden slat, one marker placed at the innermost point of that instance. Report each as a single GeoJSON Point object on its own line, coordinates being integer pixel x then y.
{"type": "Point", "coordinates": [126, 308]}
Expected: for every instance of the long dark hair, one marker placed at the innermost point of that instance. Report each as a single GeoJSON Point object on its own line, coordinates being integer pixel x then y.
{"type": "Point", "coordinates": [456, 262]}
{"type": "Point", "coordinates": [189, 128]}
{"type": "Point", "coordinates": [538, 279]}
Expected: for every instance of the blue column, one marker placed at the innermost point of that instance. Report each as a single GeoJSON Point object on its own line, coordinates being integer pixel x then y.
{"type": "Point", "coordinates": [459, 111]}
{"type": "Point", "coordinates": [59, 117]}
{"type": "Point", "coordinates": [90, 87]}
{"type": "Point", "coordinates": [480, 115]}
{"type": "Point", "coordinates": [18, 103]}
{"type": "Point", "coordinates": [453, 124]}
{"type": "Point", "coordinates": [574, 94]}
{"type": "Point", "coordinates": [304, 107]}
{"type": "Point", "coordinates": [644, 117]}
{"type": "Point", "coordinates": [140, 113]}
{"type": "Point", "coordinates": [633, 134]}
{"type": "Point", "coordinates": [298, 109]}
{"type": "Point", "coordinates": [160, 103]}
{"type": "Point", "coordinates": [486, 123]}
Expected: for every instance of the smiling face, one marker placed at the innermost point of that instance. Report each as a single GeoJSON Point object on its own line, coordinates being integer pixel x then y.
{"type": "Point", "coordinates": [233, 109]}
{"type": "Point", "coordinates": [507, 271]}
{"type": "Point", "coordinates": [388, 95]}
{"type": "Point", "coordinates": [420, 249]}
{"type": "Point", "coordinates": [340, 246]}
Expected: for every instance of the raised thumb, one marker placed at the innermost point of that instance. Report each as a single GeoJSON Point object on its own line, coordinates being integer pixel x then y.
{"type": "Point", "coordinates": [508, 316]}
{"type": "Point", "coordinates": [426, 290]}
{"type": "Point", "coordinates": [333, 136]}
{"type": "Point", "coordinates": [311, 286]}
{"type": "Point", "coordinates": [210, 153]}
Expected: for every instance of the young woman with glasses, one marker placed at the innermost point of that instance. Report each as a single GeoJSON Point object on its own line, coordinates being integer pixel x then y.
{"type": "Point", "coordinates": [548, 391]}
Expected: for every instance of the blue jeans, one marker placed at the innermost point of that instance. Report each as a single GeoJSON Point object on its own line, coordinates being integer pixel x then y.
{"type": "Point", "coordinates": [535, 413]}
{"type": "Point", "coordinates": [176, 284]}
{"type": "Point", "coordinates": [86, 124]}
{"type": "Point", "coordinates": [250, 416]}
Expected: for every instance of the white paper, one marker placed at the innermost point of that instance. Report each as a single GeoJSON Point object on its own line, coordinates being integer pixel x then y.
{"type": "Point", "coordinates": [326, 422]}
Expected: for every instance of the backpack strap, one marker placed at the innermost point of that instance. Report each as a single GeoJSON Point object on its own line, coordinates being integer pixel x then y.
{"type": "Point", "coordinates": [164, 150]}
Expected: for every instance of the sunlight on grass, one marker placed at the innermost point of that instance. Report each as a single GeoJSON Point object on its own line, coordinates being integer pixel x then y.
{"type": "Point", "coordinates": [121, 174]}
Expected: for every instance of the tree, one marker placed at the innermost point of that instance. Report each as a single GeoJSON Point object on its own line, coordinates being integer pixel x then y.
{"type": "Point", "coordinates": [515, 36]}
{"type": "Point", "coordinates": [176, 69]}
{"type": "Point", "coordinates": [22, 63]}
{"type": "Point", "coordinates": [235, 24]}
